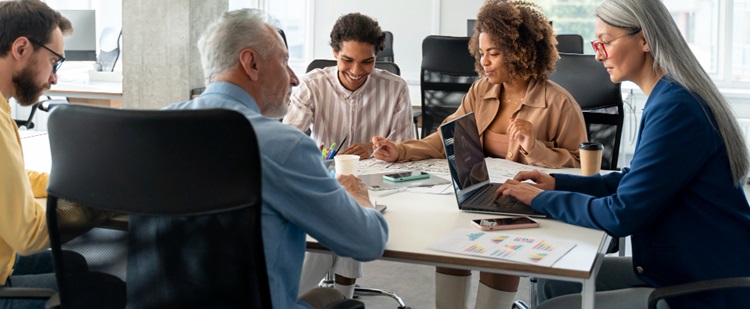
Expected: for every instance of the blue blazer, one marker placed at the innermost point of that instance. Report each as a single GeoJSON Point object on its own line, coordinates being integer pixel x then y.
{"type": "Point", "coordinates": [688, 219]}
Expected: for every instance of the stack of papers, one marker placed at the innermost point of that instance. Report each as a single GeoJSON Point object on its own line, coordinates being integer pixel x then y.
{"type": "Point", "coordinates": [499, 245]}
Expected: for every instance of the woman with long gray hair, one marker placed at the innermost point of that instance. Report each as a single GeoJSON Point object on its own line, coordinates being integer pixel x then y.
{"type": "Point", "coordinates": [681, 200]}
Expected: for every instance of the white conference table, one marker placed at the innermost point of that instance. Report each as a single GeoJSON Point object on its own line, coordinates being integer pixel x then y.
{"type": "Point", "coordinates": [416, 220]}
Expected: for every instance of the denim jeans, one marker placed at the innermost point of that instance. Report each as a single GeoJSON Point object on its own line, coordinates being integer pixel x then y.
{"type": "Point", "coordinates": [33, 271]}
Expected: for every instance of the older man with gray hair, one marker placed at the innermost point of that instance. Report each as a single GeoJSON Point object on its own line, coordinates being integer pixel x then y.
{"type": "Point", "coordinates": [245, 64]}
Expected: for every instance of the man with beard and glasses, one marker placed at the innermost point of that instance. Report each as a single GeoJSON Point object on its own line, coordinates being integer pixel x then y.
{"type": "Point", "coordinates": [31, 44]}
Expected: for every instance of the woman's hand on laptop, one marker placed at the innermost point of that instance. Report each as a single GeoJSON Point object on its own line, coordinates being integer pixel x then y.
{"type": "Point", "coordinates": [523, 191]}
{"type": "Point", "coordinates": [541, 180]}
{"type": "Point", "coordinates": [383, 149]}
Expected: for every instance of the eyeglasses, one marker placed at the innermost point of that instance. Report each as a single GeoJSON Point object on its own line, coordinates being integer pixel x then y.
{"type": "Point", "coordinates": [600, 48]}
{"type": "Point", "coordinates": [55, 66]}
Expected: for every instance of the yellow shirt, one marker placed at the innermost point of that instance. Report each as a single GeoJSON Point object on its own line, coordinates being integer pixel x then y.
{"type": "Point", "coordinates": [23, 225]}
{"type": "Point", "coordinates": [557, 118]}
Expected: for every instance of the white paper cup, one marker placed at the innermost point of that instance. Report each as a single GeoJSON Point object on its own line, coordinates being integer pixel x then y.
{"type": "Point", "coordinates": [346, 164]}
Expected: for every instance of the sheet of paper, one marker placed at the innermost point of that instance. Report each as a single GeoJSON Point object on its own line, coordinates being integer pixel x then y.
{"type": "Point", "coordinates": [437, 167]}
{"type": "Point", "coordinates": [501, 170]}
{"type": "Point", "coordinates": [501, 245]}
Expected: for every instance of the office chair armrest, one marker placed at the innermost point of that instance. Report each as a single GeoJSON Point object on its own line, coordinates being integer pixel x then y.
{"type": "Point", "coordinates": [346, 304]}
{"type": "Point", "coordinates": [53, 302]}
{"type": "Point", "coordinates": [34, 293]}
{"type": "Point", "coordinates": [694, 287]}
{"type": "Point", "coordinates": [48, 104]}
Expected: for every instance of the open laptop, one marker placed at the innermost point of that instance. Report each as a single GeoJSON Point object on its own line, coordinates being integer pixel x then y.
{"type": "Point", "coordinates": [469, 174]}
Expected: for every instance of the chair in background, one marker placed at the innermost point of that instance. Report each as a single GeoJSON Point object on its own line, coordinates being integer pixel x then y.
{"type": "Point", "coordinates": [446, 75]}
{"type": "Point", "coordinates": [570, 43]}
{"type": "Point", "coordinates": [696, 287]}
{"type": "Point", "coordinates": [283, 36]}
{"type": "Point", "coordinates": [143, 163]}
{"type": "Point", "coordinates": [28, 123]}
{"type": "Point", "coordinates": [109, 49]}
{"type": "Point", "coordinates": [387, 53]}
{"type": "Point", "coordinates": [324, 63]}
{"type": "Point", "coordinates": [599, 98]}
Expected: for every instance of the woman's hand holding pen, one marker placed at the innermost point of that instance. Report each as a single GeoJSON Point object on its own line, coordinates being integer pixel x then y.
{"type": "Point", "coordinates": [362, 150]}
{"type": "Point", "coordinates": [522, 131]}
{"type": "Point", "coordinates": [383, 149]}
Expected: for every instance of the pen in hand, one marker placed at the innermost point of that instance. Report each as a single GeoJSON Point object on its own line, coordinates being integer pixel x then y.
{"type": "Point", "coordinates": [381, 146]}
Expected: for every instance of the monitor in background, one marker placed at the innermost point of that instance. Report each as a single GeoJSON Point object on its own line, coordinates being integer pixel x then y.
{"type": "Point", "coordinates": [81, 46]}
{"type": "Point", "coordinates": [470, 27]}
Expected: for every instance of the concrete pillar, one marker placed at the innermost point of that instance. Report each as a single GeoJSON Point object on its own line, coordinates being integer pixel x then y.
{"type": "Point", "coordinates": [160, 58]}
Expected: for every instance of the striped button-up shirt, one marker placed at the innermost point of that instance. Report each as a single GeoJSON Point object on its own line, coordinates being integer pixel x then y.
{"type": "Point", "coordinates": [331, 112]}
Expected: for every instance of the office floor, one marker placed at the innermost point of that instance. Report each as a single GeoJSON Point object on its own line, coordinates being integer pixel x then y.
{"type": "Point", "coordinates": [415, 284]}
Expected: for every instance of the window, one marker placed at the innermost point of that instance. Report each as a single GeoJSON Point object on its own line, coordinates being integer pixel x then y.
{"type": "Point", "coordinates": [717, 31]}
{"type": "Point", "coordinates": [740, 42]}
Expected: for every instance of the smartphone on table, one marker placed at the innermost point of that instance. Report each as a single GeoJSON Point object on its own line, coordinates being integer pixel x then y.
{"type": "Point", "coordinates": [491, 224]}
{"type": "Point", "coordinates": [405, 176]}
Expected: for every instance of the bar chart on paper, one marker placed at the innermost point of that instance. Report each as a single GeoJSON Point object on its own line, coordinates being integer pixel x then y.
{"type": "Point", "coordinates": [498, 245]}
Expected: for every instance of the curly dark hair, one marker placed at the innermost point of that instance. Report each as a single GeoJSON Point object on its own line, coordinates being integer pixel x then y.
{"type": "Point", "coordinates": [359, 28]}
{"type": "Point", "coordinates": [523, 35]}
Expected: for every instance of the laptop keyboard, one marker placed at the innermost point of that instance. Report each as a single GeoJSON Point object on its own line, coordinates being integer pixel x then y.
{"type": "Point", "coordinates": [485, 199]}
{"type": "Point", "coordinates": [486, 196]}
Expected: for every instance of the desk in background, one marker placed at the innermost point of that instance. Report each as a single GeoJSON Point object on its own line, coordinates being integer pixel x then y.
{"type": "Point", "coordinates": [75, 84]}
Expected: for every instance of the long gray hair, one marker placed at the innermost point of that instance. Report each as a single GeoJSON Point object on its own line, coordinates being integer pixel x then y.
{"type": "Point", "coordinates": [671, 56]}
{"type": "Point", "coordinates": [221, 43]}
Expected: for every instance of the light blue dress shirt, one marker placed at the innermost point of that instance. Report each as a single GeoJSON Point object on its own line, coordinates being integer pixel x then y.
{"type": "Point", "coordinates": [299, 197]}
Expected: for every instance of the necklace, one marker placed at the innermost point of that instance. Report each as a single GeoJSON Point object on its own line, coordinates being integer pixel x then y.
{"type": "Point", "coordinates": [513, 100]}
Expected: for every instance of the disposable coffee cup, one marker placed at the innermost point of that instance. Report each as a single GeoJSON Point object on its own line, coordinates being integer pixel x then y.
{"type": "Point", "coordinates": [346, 164]}
{"type": "Point", "coordinates": [591, 157]}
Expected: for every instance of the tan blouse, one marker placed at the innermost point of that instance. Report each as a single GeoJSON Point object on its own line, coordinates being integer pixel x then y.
{"type": "Point", "coordinates": [559, 125]}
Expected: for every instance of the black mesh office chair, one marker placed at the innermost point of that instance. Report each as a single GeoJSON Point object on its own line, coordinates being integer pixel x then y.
{"type": "Point", "coordinates": [599, 98]}
{"type": "Point", "coordinates": [387, 53]}
{"type": "Point", "coordinates": [186, 179]}
{"type": "Point", "coordinates": [446, 75]}
{"type": "Point", "coordinates": [570, 43]}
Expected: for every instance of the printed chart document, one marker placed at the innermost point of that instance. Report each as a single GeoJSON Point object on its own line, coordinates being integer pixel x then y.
{"type": "Point", "coordinates": [501, 245]}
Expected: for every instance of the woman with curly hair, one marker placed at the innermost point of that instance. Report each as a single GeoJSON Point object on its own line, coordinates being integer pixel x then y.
{"type": "Point", "coordinates": [521, 116]}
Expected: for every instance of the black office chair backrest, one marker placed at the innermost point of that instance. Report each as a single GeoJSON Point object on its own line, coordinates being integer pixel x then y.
{"type": "Point", "coordinates": [324, 63]}
{"type": "Point", "coordinates": [283, 36]}
{"type": "Point", "coordinates": [570, 43]}
{"type": "Point", "coordinates": [387, 53]}
{"type": "Point", "coordinates": [191, 183]}
{"type": "Point", "coordinates": [446, 75]}
{"type": "Point", "coordinates": [599, 98]}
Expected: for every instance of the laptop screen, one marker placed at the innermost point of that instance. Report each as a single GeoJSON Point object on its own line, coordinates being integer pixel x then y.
{"type": "Point", "coordinates": [465, 155]}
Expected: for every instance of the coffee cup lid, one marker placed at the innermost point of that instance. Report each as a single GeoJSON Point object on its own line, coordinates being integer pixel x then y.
{"type": "Point", "coordinates": [590, 146]}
